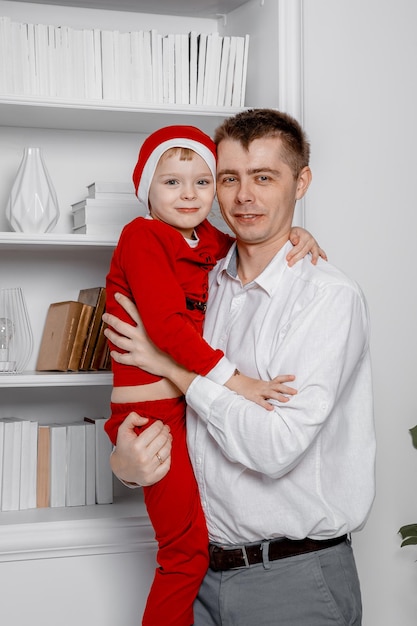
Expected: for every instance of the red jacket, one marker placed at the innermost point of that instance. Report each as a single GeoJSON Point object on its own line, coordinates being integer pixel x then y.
{"type": "Point", "coordinates": [154, 266]}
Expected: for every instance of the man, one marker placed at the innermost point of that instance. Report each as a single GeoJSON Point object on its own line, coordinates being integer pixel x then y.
{"type": "Point", "coordinates": [281, 490]}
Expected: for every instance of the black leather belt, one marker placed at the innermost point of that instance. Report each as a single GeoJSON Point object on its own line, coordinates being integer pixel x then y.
{"type": "Point", "coordinates": [195, 304]}
{"type": "Point", "coordinates": [222, 559]}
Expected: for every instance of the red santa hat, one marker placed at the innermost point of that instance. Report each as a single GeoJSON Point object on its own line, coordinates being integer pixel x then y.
{"type": "Point", "coordinates": [162, 140]}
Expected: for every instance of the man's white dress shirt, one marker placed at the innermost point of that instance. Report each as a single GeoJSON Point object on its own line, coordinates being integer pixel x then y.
{"type": "Point", "coordinates": [305, 469]}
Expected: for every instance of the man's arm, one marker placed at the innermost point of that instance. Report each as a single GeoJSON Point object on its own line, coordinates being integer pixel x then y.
{"type": "Point", "coordinates": [286, 433]}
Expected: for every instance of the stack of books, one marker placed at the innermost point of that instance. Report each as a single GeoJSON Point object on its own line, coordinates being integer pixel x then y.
{"type": "Point", "coordinates": [141, 67]}
{"type": "Point", "coordinates": [73, 336]}
{"type": "Point", "coordinates": [106, 209]}
{"type": "Point", "coordinates": [54, 465]}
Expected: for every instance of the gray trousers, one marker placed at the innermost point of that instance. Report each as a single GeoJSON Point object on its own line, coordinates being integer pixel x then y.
{"type": "Point", "coordinates": [316, 589]}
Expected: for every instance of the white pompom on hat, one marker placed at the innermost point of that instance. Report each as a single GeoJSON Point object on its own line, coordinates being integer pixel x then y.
{"type": "Point", "coordinates": [159, 142]}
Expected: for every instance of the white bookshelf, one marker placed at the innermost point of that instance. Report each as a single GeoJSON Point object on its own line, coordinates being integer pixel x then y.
{"type": "Point", "coordinates": [84, 142]}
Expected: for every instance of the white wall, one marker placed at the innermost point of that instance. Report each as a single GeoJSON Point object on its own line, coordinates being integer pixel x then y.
{"type": "Point", "coordinates": [360, 114]}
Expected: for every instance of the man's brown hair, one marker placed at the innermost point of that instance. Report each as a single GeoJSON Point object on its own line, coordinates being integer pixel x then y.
{"type": "Point", "coordinates": [258, 123]}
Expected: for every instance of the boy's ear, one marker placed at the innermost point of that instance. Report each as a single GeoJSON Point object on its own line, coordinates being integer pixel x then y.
{"type": "Point", "coordinates": [303, 182]}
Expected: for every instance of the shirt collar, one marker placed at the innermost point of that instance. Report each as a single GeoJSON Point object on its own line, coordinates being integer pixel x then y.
{"type": "Point", "coordinates": [268, 279]}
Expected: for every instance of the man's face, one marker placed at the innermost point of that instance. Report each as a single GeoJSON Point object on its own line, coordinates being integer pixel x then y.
{"type": "Point", "coordinates": [257, 190]}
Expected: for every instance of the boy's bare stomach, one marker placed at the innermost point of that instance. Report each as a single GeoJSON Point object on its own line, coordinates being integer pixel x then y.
{"type": "Point", "coordinates": [160, 390]}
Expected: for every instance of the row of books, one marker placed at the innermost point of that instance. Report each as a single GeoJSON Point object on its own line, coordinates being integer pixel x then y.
{"type": "Point", "coordinates": [106, 209]}
{"type": "Point", "coordinates": [136, 67]}
{"type": "Point", "coordinates": [73, 336]}
{"type": "Point", "coordinates": [54, 465]}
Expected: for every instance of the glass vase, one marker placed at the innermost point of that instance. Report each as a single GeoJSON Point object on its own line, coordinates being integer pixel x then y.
{"type": "Point", "coordinates": [33, 205]}
{"type": "Point", "coordinates": [16, 339]}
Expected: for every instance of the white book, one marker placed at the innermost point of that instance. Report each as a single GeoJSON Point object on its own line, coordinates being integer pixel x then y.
{"type": "Point", "coordinates": [137, 73]}
{"type": "Point", "coordinates": [108, 64]}
{"type": "Point", "coordinates": [89, 62]}
{"type": "Point", "coordinates": [169, 67]}
{"type": "Point", "coordinates": [178, 67]}
{"type": "Point", "coordinates": [75, 480]}
{"type": "Point", "coordinates": [90, 463]}
{"type": "Point", "coordinates": [237, 80]}
{"type": "Point", "coordinates": [66, 63]}
{"type": "Point", "coordinates": [244, 71]}
{"type": "Point", "coordinates": [211, 78]}
{"type": "Point", "coordinates": [28, 464]}
{"type": "Point", "coordinates": [33, 464]}
{"type": "Point", "coordinates": [181, 61]}
{"type": "Point", "coordinates": [230, 76]}
{"type": "Point", "coordinates": [124, 71]}
{"type": "Point", "coordinates": [58, 443]}
{"type": "Point", "coordinates": [1, 458]}
{"type": "Point", "coordinates": [24, 45]}
{"type": "Point", "coordinates": [97, 93]}
{"type": "Point", "coordinates": [52, 60]}
{"type": "Point", "coordinates": [105, 215]}
{"type": "Point", "coordinates": [78, 64]}
{"type": "Point", "coordinates": [201, 69]}
{"type": "Point", "coordinates": [41, 59]}
{"type": "Point", "coordinates": [16, 85]}
{"type": "Point", "coordinates": [165, 70]}
{"type": "Point", "coordinates": [12, 451]}
{"type": "Point", "coordinates": [6, 51]}
{"type": "Point", "coordinates": [156, 60]}
{"type": "Point", "coordinates": [32, 60]}
{"type": "Point", "coordinates": [147, 67]}
{"type": "Point", "coordinates": [111, 231]}
{"type": "Point", "coordinates": [224, 61]}
{"type": "Point", "coordinates": [104, 475]}
{"type": "Point", "coordinates": [193, 41]}
{"type": "Point", "coordinates": [124, 201]}
{"type": "Point", "coordinates": [107, 186]}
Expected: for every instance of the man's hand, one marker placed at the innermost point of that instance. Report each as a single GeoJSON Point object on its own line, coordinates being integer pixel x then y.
{"type": "Point", "coordinates": [141, 459]}
{"type": "Point", "coordinates": [303, 243]}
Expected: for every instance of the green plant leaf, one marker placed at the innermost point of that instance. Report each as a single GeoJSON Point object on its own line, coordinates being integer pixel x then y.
{"type": "Point", "coordinates": [411, 541]}
{"type": "Point", "coordinates": [410, 530]}
{"type": "Point", "coordinates": [413, 432]}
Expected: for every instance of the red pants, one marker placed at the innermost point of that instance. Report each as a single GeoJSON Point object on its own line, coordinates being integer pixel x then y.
{"type": "Point", "coordinates": [174, 508]}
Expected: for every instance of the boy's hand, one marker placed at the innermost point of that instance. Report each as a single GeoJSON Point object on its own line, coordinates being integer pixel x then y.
{"type": "Point", "coordinates": [260, 391]}
{"type": "Point", "coordinates": [303, 243]}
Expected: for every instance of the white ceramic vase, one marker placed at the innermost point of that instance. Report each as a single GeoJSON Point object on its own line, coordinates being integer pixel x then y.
{"type": "Point", "coordinates": [16, 339]}
{"type": "Point", "coordinates": [33, 205]}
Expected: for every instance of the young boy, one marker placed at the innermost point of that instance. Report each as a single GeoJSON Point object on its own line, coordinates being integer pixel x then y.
{"type": "Point", "coordinates": [162, 263]}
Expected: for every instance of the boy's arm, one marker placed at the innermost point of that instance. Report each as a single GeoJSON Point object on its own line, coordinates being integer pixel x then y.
{"type": "Point", "coordinates": [140, 352]}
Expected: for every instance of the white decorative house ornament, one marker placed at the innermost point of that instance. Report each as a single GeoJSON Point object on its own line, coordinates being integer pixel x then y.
{"type": "Point", "coordinates": [16, 339]}
{"type": "Point", "coordinates": [33, 204]}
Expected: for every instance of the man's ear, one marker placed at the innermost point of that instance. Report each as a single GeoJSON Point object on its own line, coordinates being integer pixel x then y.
{"type": "Point", "coordinates": [303, 182]}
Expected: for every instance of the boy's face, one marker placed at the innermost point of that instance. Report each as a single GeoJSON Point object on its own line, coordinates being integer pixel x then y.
{"type": "Point", "coordinates": [181, 192]}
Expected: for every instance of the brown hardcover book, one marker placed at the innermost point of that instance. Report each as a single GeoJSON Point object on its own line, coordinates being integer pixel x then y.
{"type": "Point", "coordinates": [80, 337]}
{"type": "Point", "coordinates": [105, 362]}
{"type": "Point", "coordinates": [59, 335]}
{"type": "Point", "coordinates": [96, 297]}
{"type": "Point", "coordinates": [43, 482]}
{"type": "Point", "coordinates": [99, 348]}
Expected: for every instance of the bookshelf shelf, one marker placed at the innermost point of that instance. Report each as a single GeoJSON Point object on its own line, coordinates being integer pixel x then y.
{"type": "Point", "coordinates": [56, 379]}
{"type": "Point", "coordinates": [82, 138]}
{"type": "Point", "coordinates": [76, 531]}
{"type": "Point", "coordinates": [105, 115]}
{"type": "Point", "coordinates": [53, 241]}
